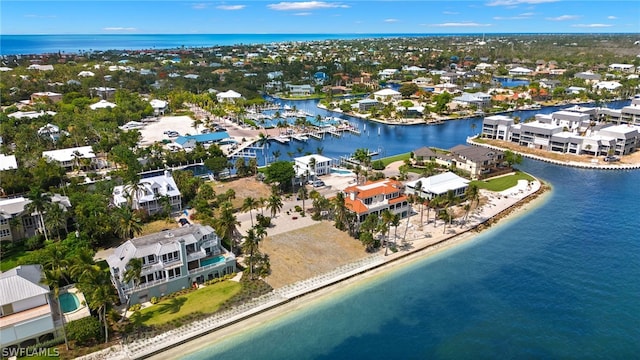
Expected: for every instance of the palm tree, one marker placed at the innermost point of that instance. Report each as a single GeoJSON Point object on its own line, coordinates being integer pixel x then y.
{"type": "Point", "coordinates": [132, 275]}
{"type": "Point", "coordinates": [100, 295]}
{"type": "Point", "coordinates": [135, 189]}
{"type": "Point", "coordinates": [250, 246]}
{"type": "Point", "coordinates": [312, 166]}
{"type": "Point", "coordinates": [128, 223]}
{"type": "Point", "coordinates": [56, 218]}
{"type": "Point", "coordinates": [386, 218]}
{"type": "Point", "coordinates": [418, 198]}
{"type": "Point", "coordinates": [276, 154]}
{"type": "Point", "coordinates": [227, 224]}
{"type": "Point", "coordinates": [52, 279]}
{"type": "Point", "coordinates": [319, 150]}
{"type": "Point", "coordinates": [274, 203]}
{"type": "Point", "coordinates": [395, 221]}
{"type": "Point", "coordinates": [38, 205]}
{"type": "Point", "coordinates": [250, 203]}
{"type": "Point", "coordinates": [340, 211]}
{"type": "Point", "coordinates": [303, 193]}
{"type": "Point", "coordinates": [451, 199]}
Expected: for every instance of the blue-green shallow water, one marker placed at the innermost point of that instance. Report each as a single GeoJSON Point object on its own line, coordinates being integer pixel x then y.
{"type": "Point", "coordinates": [561, 281]}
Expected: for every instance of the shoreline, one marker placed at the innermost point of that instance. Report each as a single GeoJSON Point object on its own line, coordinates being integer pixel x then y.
{"type": "Point", "coordinates": [300, 302]}
{"type": "Point", "coordinates": [175, 343]}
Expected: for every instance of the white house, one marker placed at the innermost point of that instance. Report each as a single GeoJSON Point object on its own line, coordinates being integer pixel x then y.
{"type": "Point", "coordinates": [86, 73]}
{"type": "Point", "coordinates": [628, 68]}
{"type": "Point", "coordinates": [438, 185]}
{"type": "Point", "coordinates": [172, 260]}
{"type": "Point", "coordinates": [304, 165]}
{"type": "Point", "coordinates": [26, 312]}
{"type": "Point", "coordinates": [8, 162]}
{"type": "Point", "coordinates": [102, 104]}
{"type": "Point", "coordinates": [519, 71]}
{"type": "Point", "coordinates": [67, 158]}
{"type": "Point", "coordinates": [228, 96]}
{"type": "Point", "coordinates": [50, 131]}
{"type": "Point", "coordinates": [149, 194]}
{"type": "Point", "coordinates": [159, 106]}
{"type": "Point", "coordinates": [26, 224]}
{"type": "Point", "coordinates": [386, 95]}
{"type": "Point", "coordinates": [607, 85]}
{"type": "Point", "coordinates": [30, 114]}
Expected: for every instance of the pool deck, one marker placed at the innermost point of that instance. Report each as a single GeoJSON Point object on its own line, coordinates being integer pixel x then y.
{"type": "Point", "coordinates": [82, 311]}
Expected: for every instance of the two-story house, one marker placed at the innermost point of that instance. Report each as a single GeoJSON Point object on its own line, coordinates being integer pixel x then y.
{"type": "Point", "coordinates": [172, 260]}
{"type": "Point", "coordinates": [71, 157]}
{"type": "Point", "coordinates": [375, 197]}
{"type": "Point", "coordinates": [314, 165]}
{"type": "Point", "coordinates": [17, 223]}
{"type": "Point", "coordinates": [26, 314]}
{"type": "Point", "coordinates": [476, 160]}
{"type": "Point", "coordinates": [149, 194]}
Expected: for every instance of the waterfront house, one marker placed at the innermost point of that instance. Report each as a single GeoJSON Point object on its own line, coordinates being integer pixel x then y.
{"type": "Point", "coordinates": [438, 185]}
{"type": "Point", "coordinates": [520, 71]}
{"type": "Point", "coordinates": [496, 127]}
{"type": "Point", "coordinates": [387, 95]}
{"type": "Point", "coordinates": [588, 76]}
{"type": "Point", "coordinates": [172, 260]}
{"type": "Point", "coordinates": [366, 105]}
{"type": "Point", "coordinates": [70, 157]}
{"type": "Point", "coordinates": [304, 165]}
{"type": "Point", "coordinates": [479, 99]}
{"type": "Point", "coordinates": [375, 197]}
{"type": "Point", "coordinates": [189, 142]}
{"type": "Point", "coordinates": [149, 193]}
{"type": "Point", "coordinates": [424, 154]}
{"type": "Point", "coordinates": [300, 90]}
{"type": "Point", "coordinates": [475, 160]}
{"type": "Point", "coordinates": [26, 312]}
{"type": "Point", "coordinates": [17, 223]}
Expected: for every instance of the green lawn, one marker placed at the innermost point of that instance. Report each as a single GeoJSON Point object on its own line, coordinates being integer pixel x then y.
{"type": "Point", "coordinates": [206, 300]}
{"type": "Point", "coordinates": [11, 258]}
{"type": "Point", "coordinates": [399, 157]}
{"type": "Point", "coordinates": [502, 183]}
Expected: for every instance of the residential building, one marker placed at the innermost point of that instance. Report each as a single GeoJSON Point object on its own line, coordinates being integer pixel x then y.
{"type": "Point", "coordinates": [365, 105]}
{"type": "Point", "coordinates": [476, 160]}
{"type": "Point", "coordinates": [424, 154]}
{"type": "Point", "coordinates": [46, 96]}
{"type": "Point", "coordinates": [228, 96]}
{"type": "Point", "coordinates": [149, 194]}
{"type": "Point", "coordinates": [479, 99]}
{"type": "Point", "coordinates": [8, 162]}
{"type": "Point", "coordinates": [103, 92]}
{"type": "Point", "coordinates": [70, 157]}
{"type": "Point", "coordinates": [438, 185]}
{"type": "Point", "coordinates": [299, 90]}
{"type": "Point", "coordinates": [17, 223]}
{"type": "Point", "coordinates": [172, 260]}
{"type": "Point", "coordinates": [304, 165]}
{"type": "Point", "coordinates": [520, 71]}
{"type": "Point", "coordinates": [159, 106]}
{"type": "Point", "coordinates": [51, 132]}
{"type": "Point", "coordinates": [375, 197]}
{"type": "Point", "coordinates": [387, 95]}
{"type": "Point", "coordinates": [628, 68]}
{"type": "Point", "coordinates": [31, 114]}
{"type": "Point", "coordinates": [102, 104]}
{"type": "Point", "coordinates": [496, 127]}
{"type": "Point", "coordinates": [26, 311]}
{"type": "Point", "coordinates": [189, 142]}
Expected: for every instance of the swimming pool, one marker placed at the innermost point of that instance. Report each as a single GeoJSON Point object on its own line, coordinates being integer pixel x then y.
{"type": "Point", "coordinates": [343, 172]}
{"type": "Point", "coordinates": [213, 260]}
{"type": "Point", "coordinates": [69, 302]}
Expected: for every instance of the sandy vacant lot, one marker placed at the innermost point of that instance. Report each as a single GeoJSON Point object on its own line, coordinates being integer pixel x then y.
{"type": "Point", "coordinates": [308, 252]}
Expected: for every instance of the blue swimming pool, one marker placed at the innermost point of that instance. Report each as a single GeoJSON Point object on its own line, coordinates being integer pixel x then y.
{"type": "Point", "coordinates": [212, 260]}
{"type": "Point", "coordinates": [336, 171]}
{"type": "Point", "coordinates": [69, 302]}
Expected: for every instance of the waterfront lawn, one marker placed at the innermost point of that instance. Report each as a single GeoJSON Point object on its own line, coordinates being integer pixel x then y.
{"type": "Point", "coordinates": [400, 157]}
{"type": "Point", "coordinates": [206, 301]}
{"type": "Point", "coordinates": [502, 183]}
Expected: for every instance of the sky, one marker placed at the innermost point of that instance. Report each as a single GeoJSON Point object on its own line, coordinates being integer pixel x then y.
{"type": "Point", "coordinates": [317, 17]}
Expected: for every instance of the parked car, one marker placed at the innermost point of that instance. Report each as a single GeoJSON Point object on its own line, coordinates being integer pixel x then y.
{"type": "Point", "coordinates": [318, 183]}
{"type": "Point", "coordinates": [611, 158]}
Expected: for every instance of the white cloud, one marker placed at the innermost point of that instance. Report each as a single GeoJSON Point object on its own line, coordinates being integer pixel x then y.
{"type": "Point", "coordinates": [460, 24]}
{"type": "Point", "coordinates": [302, 14]}
{"type": "Point", "coordinates": [119, 28]}
{"type": "Point", "coordinates": [517, 2]}
{"type": "Point", "coordinates": [390, 20]}
{"type": "Point", "coordinates": [450, 13]}
{"type": "Point", "coordinates": [199, 6]}
{"type": "Point", "coordinates": [231, 7]}
{"type": "Point", "coordinates": [611, 17]}
{"type": "Point", "coordinates": [592, 25]}
{"type": "Point", "coordinates": [563, 17]}
{"type": "Point", "coordinates": [305, 5]}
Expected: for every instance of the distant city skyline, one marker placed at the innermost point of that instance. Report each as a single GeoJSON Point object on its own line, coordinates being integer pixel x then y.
{"type": "Point", "coordinates": [320, 17]}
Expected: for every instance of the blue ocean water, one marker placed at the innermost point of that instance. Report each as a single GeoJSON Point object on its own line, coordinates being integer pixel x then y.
{"type": "Point", "coordinates": [558, 282]}
{"type": "Point", "coordinates": [77, 43]}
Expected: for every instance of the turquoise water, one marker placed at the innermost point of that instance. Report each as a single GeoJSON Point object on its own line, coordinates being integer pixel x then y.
{"type": "Point", "coordinates": [213, 260]}
{"type": "Point", "coordinates": [560, 281]}
{"type": "Point", "coordinates": [69, 302]}
{"type": "Point", "coordinates": [341, 171]}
